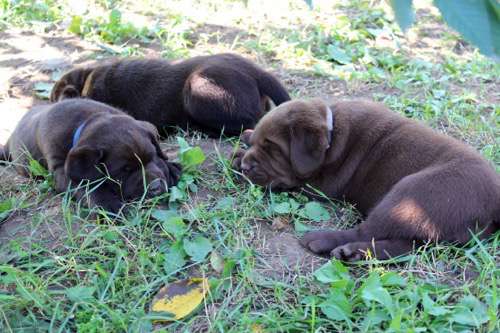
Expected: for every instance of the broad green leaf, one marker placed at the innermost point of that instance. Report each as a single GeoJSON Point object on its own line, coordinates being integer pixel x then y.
{"type": "Point", "coordinates": [282, 208]}
{"type": "Point", "coordinates": [373, 318]}
{"type": "Point", "coordinates": [80, 293]}
{"type": "Point", "coordinates": [392, 279]}
{"type": "Point", "coordinates": [171, 222]}
{"type": "Point", "coordinates": [403, 12]}
{"type": "Point", "coordinates": [372, 291]}
{"type": "Point", "coordinates": [470, 311]}
{"type": "Point", "coordinates": [36, 169]}
{"type": "Point", "coordinates": [338, 55]}
{"type": "Point", "coordinates": [183, 144]}
{"type": "Point", "coordinates": [300, 227]}
{"type": "Point", "coordinates": [115, 17]}
{"type": "Point", "coordinates": [7, 205]}
{"type": "Point", "coordinates": [335, 273]}
{"type": "Point", "coordinates": [431, 307]}
{"type": "Point", "coordinates": [217, 262]}
{"type": "Point", "coordinates": [336, 306]}
{"type": "Point", "coordinates": [316, 212]}
{"type": "Point", "coordinates": [176, 194]}
{"type": "Point", "coordinates": [76, 25]}
{"type": "Point", "coordinates": [163, 215]}
{"type": "Point", "coordinates": [495, 5]}
{"type": "Point", "coordinates": [198, 248]}
{"type": "Point", "coordinates": [175, 226]}
{"type": "Point", "coordinates": [192, 157]}
{"type": "Point", "coordinates": [174, 258]}
{"type": "Point", "coordinates": [476, 20]}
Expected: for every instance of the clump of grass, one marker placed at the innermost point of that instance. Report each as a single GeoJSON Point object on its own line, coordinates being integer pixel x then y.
{"type": "Point", "coordinates": [64, 269]}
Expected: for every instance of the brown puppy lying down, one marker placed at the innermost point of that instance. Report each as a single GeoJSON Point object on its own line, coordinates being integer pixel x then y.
{"type": "Point", "coordinates": [209, 93]}
{"type": "Point", "coordinates": [85, 140]}
{"type": "Point", "coordinates": [411, 183]}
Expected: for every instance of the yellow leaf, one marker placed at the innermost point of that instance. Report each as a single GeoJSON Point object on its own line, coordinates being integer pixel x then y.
{"type": "Point", "coordinates": [256, 328]}
{"type": "Point", "coordinates": [180, 298]}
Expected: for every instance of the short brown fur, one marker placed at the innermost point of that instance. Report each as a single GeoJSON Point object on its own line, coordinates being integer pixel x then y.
{"type": "Point", "coordinates": [411, 183]}
{"type": "Point", "coordinates": [111, 143]}
{"type": "Point", "coordinates": [223, 92]}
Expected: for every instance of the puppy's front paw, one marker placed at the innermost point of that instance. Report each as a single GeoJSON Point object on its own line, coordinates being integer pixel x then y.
{"type": "Point", "coordinates": [348, 252]}
{"type": "Point", "coordinates": [238, 156]}
{"type": "Point", "coordinates": [174, 173]}
{"type": "Point", "coordinates": [321, 242]}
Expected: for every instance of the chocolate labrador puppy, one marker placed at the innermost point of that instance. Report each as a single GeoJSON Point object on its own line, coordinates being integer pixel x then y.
{"type": "Point", "coordinates": [411, 183]}
{"type": "Point", "coordinates": [79, 140]}
{"type": "Point", "coordinates": [222, 92]}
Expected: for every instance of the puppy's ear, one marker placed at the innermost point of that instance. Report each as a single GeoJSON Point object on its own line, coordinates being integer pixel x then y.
{"type": "Point", "coordinates": [81, 163]}
{"type": "Point", "coordinates": [307, 148]}
{"type": "Point", "coordinates": [69, 91]}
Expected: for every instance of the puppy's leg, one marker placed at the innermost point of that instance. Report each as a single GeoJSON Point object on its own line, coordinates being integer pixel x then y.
{"type": "Point", "coordinates": [4, 154]}
{"type": "Point", "coordinates": [219, 98]}
{"type": "Point", "coordinates": [61, 181]}
{"type": "Point", "coordinates": [380, 249]}
{"type": "Point", "coordinates": [324, 241]}
{"type": "Point", "coordinates": [438, 204]}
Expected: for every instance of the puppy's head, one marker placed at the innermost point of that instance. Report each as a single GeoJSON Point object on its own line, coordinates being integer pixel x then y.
{"type": "Point", "coordinates": [288, 144]}
{"type": "Point", "coordinates": [126, 152]}
{"type": "Point", "coordinates": [71, 84]}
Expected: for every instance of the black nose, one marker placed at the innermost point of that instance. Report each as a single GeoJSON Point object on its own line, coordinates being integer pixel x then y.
{"type": "Point", "coordinates": [157, 187]}
{"type": "Point", "coordinates": [246, 167]}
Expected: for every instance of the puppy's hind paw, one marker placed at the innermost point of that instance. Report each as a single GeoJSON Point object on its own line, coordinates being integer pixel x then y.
{"type": "Point", "coordinates": [347, 253]}
{"type": "Point", "coordinates": [319, 242]}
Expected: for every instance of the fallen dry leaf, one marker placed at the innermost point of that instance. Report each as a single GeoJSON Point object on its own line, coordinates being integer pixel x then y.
{"type": "Point", "coordinates": [180, 298]}
{"type": "Point", "coordinates": [279, 223]}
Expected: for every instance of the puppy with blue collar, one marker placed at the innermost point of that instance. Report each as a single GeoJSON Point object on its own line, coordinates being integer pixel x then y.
{"type": "Point", "coordinates": [82, 140]}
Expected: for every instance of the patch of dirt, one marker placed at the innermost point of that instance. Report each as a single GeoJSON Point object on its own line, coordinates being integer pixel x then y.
{"type": "Point", "coordinates": [280, 256]}
{"type": "Point", "coordinates": [41, 223]}
{"type": "Point", "coordinates": [27, 58]}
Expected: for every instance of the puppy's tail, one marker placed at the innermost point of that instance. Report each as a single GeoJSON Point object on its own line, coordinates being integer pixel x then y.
{"type": "Point", "coordinates": [271, 87]}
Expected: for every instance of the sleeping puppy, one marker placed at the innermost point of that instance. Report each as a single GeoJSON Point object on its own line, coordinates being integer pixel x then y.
{"type": "Point", "coordinates": [79, 140]}
{"type": "Point", "coordinates": [411, 183]}
{"type": "Point", "coordinates": [216, 93]}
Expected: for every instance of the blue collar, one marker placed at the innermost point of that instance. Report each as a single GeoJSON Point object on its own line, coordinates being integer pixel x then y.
{"type": "Point", "coordinates": [77, 134]}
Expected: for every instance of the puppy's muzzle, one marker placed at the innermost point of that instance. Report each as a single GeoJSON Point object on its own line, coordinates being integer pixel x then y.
{"type": "Point", "coordinates": [247, 167]}
{"type": "Point", "coordinates": [157, 187]}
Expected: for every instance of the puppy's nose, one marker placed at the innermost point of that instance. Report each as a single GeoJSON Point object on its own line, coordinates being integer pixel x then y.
{"type": "Point", "coordinates": [246, 166]}
{"type": "Point", "coordinates": [157, 187]}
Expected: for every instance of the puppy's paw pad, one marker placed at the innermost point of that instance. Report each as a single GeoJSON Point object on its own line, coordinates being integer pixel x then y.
{"type": "Point", "coordinates": [347, 253]}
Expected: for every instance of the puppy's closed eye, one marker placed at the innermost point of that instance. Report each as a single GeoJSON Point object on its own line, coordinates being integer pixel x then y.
{"type": "Point", "coordinates": [127, 168]}
{"type": "Point", "coordinates": [271, 147]}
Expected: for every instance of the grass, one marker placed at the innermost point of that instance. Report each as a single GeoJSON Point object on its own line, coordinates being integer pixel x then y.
{"type": "Point", "coordinates": [63, 271]}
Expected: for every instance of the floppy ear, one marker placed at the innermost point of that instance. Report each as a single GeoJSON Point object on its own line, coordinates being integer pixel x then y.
{"type": "Point", "coordinates": [307, 149]}
{"type": "Point", "coordinates": [81, 163]}
{"type": "Point", "coordinates": [69, 91]}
